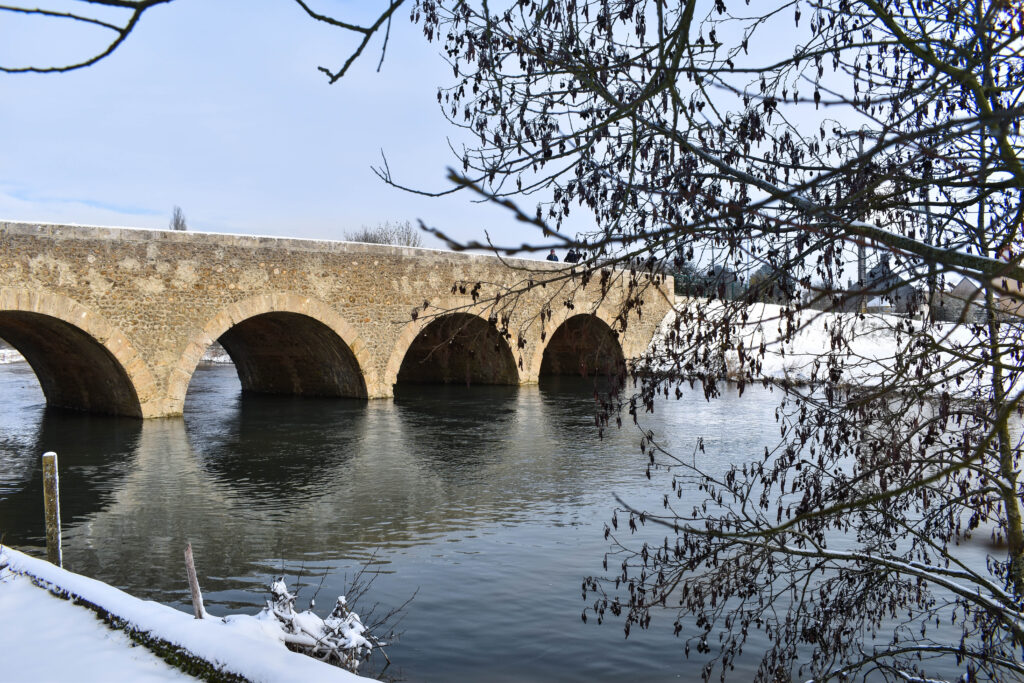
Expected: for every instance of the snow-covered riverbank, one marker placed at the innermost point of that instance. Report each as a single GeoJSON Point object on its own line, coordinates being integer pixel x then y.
{"type": "Point", "coordinates": [88, 635]}
{"type": "Point", "coordinates": [9, 355]}
{"type": "Point", "coordinates": [870, 346]}
{"type": "Point", "coordinates": [214, 354]}
{"type": "Point", "coordinates": [36, 625]}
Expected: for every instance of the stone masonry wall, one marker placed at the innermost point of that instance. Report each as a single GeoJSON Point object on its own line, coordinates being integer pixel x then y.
{"type": "Point", "coordinates": [156, 299]}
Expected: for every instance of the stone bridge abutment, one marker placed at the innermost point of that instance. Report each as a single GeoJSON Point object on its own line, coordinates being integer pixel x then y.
{"type": "Point", "coordinates": [116, 320]}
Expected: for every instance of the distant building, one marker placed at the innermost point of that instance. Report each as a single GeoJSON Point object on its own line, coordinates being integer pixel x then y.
{"type": "Point", "coordinates": [965, 302]}
{"type": "Point", "coordinates": [1010, 292]}
{"type": "Point", "coordinates": [719, 281]}
{"type": "Point", "coordinates": [773, 285]}
{"type": "Point", "coordinates": [883, 291]}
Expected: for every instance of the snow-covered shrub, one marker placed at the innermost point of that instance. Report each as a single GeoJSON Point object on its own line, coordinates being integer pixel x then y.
{"type": "Point", "coordinates": [340, 639]}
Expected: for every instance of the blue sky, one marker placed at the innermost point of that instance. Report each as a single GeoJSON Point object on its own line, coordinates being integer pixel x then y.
{"type": "Point", "coordinates": [218, 107]}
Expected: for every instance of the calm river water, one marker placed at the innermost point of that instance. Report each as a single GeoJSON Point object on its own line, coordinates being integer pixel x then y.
{"type": "Point", "coordinates": [490, 501]}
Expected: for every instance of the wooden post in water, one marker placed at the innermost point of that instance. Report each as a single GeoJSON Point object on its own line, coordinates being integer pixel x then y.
{"type": "Point", "coordinates": [51, 505]}
{"type": "Point", "coordinates": [193, 584]}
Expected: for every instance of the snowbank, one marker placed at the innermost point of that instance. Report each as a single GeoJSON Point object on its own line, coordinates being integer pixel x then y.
{"type": "Point", "coordinates": [245, 646]}
{"type": "Point", "coordinates": [871, 349]}
{"type": "Point", "coordinates": [10, 356]}
{"type": "Point", "coordinates": [214, 354]}
{"type": "Point", "coordinates": [36, 626]}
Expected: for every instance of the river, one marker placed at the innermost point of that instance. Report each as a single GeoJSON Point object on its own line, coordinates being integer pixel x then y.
{"type": "Point", "coordinates": [488, 502]}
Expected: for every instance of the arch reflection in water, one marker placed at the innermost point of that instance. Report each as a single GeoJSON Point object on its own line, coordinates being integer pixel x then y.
{"type": "Point", "coordinates": [21, 414]}
{"type": "Point", "coordinates": [164, 502]}
{"type": "Point", "coordinates": [95, 453]}
{"type": "Point", "coordinates": [447, 432]}
{"type": "Point", "coordinates": [274, 449]}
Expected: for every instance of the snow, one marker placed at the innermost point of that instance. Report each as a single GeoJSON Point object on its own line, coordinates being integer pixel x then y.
{"type": "Point", "coordinates": [214, 354]}
{"type": "Point", "coordinates": [870, 354]}
{"type": "Point", "coordinates": [10, 356]}
{"type": "Point", "coordinates": [337, 639]}
{"type": "Point", "coordinates": [240, 644]}
{"type": "Point", "coordinates": [35, 626]}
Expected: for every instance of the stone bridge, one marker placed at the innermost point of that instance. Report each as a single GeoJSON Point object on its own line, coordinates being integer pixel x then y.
{"type": "Point", "coordinates": [115, 320]}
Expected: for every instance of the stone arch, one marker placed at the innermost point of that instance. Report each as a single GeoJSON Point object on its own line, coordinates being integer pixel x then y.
{"type": "Point", "coordinates": [462, 347]}
{"type": "Point", "coordinates": [330, 359]}
{"type": "Point", "coordinates": [581, 344]}
{"type": "Point", "coordinates": [81, 360]}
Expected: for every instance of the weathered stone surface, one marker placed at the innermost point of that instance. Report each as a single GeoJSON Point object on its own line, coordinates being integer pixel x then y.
{"type": "Point", "coordinates": [116, 319]}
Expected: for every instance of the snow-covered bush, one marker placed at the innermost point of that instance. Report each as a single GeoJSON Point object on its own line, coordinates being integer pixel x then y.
{"type": "Point", "coordinates": [340, 639]}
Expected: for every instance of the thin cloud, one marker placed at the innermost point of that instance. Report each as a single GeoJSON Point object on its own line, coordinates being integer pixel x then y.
{"type": "Point", "coordinates": [29, 196]}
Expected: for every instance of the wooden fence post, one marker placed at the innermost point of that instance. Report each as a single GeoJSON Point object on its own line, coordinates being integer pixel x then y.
{"type": "Point", "coordinates": [193, 584]}
{"type": "Point", "coordinates": [51, 505]}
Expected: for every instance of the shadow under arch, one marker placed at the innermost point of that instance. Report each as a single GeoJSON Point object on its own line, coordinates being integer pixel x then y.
{"type": "Point", "coordinates": [81, 361]}
{"type": "Point", "coordinates": [583, 345]}
{"type": "Point", "coordinates": [282, 344]}
{"type": "Point", "coordinates": [291, 353]}
{"type": "Point", "coordinates": [456, 348]}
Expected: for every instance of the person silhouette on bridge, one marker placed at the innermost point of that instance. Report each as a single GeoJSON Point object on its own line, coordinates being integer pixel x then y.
{"type": "Point", "coordinates": [552, 256]}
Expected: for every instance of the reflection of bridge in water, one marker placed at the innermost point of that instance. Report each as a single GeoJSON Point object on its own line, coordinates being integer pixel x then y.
{"type": "Point", "coordinates": [115, 320]}
{"type": "Point", "coordinates": [256, 477]}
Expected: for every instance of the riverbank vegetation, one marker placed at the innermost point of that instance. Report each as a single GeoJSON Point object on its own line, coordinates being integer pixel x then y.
{"type": "Point", "coordinates": [398, 233]}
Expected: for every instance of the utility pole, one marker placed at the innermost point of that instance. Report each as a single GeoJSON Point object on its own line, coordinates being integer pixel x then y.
{"type": "Point", "coordinates": [929, 223]}
{"type": "Point", "coordinates": [862, 257]}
